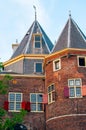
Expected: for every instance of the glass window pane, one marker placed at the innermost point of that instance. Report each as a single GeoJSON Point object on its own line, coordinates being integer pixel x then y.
{"type": "Point", "coordinates": [33, 97]}
{"type": "Point", "coordinates": [57, 64]}
{"type": "Point", "coordinates": [39, 98]}
{"type": "Point", "coordinates": [37, 37]}
{"type": "Point", "coordinates": [18, 106]}
{"type": "Point", "coordinates": [49, 96]}
{"type": "Point", "coordinates": [78, 91]}
{"type": "Point", "coordinates": [18, 97]}
{"type": "Point", "coordinates": [81, 61]}
{"type": "Point", "coordinates": [33, 107]}
{"type": "Point", "coordinates": [71, 82]}
{"type": "Point", "coordinates": [48, 89]}
{"type": "Point", "coordinates": [40, 107]}
{"type": "Point", "coordinates": [77, 82]}
{"type": "Point", "coordinates": [11, 106]}
{"type": "Point", "coordinates": [38, 67]}
{"type": "Point", "coordinates": [52, 87]}
{"type": "Point", "coordinates": [37, 45]}
{"type": "Point", "coordinates": [12, 97]}
{"type": "Point", "coordinates": [72, 92]}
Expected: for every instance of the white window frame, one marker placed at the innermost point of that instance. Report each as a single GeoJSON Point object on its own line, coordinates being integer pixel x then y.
{"type": "Point", "coordinates": [59, 61]}
{"type": "Point", "coordinates": [36, 101]}
{"type": "Point", "coordinates": [51, 94]}
{"type": "Point", "coordinates": [74, 86]}
{"type": "Point", "coordinates": [78, 60]}
{"type": "Point", "coordinates": [15, 101]}
{"type": "Point", "coordinates": [35, 67]}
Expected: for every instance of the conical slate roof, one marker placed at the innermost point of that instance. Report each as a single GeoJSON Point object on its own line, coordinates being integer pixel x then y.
{"type": "Point", "coordinates": [26, 47]}
{"type": "Point", "coordinates": [71, 37]}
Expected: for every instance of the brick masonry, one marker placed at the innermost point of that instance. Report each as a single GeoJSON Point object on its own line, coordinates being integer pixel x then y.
{"type": "Point", "coordinates": [63, 113]}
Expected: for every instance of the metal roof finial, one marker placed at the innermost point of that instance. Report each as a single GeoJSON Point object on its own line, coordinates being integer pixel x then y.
{"type": "Point", "coordinates": [69, 13]}
{"type": "Point", "coordinates": [35, 12]}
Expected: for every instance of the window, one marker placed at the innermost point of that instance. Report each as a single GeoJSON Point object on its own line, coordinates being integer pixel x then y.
{"type": "Point", "coordinates": [38, 67]}
{"type": "Point", "coordinates": [36, 102]}
{"type": "Point", "coordinates": [57, 64]}
{"type": "Point", "coordinates": [37, 41]}
{"type": "Point", "coordinates": [74, 87]}
{"type": "Point", "coordinates": [15, 100]}
{"type": "Point", "coordinates": [51, 93]}
{"type": "Point", "coordinates": [82, 61]}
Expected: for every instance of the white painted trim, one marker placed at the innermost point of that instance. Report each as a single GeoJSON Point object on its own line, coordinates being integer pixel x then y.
{"type": "Point", "coordinates": [63, 116]}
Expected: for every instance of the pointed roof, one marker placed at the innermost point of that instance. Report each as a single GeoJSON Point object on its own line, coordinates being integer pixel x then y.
{"type": "Point", "coordinates": [71, 37]}
{"type": "Point", "coordinates": [25, 45]}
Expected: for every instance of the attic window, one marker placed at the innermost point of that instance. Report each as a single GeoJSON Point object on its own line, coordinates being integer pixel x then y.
{"type": "Point", "coordinates": [82, 61]}
{"type": "Point", "coordinates": [37, 41]}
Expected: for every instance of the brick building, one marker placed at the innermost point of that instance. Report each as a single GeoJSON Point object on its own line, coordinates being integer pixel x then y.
{"type": "Point", "coordinates": [49, 81]}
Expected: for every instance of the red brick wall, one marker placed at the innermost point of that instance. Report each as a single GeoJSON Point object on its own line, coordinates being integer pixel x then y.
{"type": "Point", "coordinates": [27, 85]}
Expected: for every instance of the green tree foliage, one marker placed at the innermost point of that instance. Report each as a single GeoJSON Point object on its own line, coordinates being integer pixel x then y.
{"type": "Point", "coordinates": [1, 66]}
{"type": "Point", "coordinates": [4, 84]}
{"type": "Point", "coordinates": [5, 120]}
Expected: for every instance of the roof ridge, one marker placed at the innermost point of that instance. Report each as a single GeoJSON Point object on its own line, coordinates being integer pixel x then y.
{"type": "Point", "coordinates": [29, 38]}
{"type": "Point", "coordinates": [59, 37]}
{"type": "Point", "coordinates": [44, 38]}
{"type": "Point", "coordinates": [79, 30]}
{"type": "Point", "coordinates": [69, 31]}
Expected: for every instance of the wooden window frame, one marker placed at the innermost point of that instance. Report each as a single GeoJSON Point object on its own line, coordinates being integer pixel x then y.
{"type": "Point", "coordinates": [75, 87]}
{"type": "Point", "coordinates": [50, 94]}
{"type": "Point", "coordinates": [36, 102]}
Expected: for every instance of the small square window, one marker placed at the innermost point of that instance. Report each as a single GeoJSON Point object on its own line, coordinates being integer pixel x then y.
{"type": "Point", "coordinates": [82, 61]}
{"type": "Point", "coordinates": [56, 64]}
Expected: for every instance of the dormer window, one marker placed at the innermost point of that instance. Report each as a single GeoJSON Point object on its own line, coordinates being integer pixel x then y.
{"type": "Point", "coordinates": [37, 41]}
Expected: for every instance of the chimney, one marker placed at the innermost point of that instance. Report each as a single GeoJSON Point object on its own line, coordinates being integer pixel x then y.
{"type": "Point", "coordinates": [15, 46]}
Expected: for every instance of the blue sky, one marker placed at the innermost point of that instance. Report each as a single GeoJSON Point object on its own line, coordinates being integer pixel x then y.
{"type": "Point", "coordinates": [16, 16]}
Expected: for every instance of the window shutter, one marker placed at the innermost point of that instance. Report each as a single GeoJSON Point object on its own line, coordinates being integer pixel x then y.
{"type": "Point", "coordinates": [45, 98]}
{"type": "Point", "coordinates": [23, 105]}
{"type": "Point", "coordinates": [66, 92]}
{"type": "Point", "coordinates": [28, 106]}
{"type": "Point", "coordinates": [6, 105]}
{"type": "Point", "coordinates": [84, 90]}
